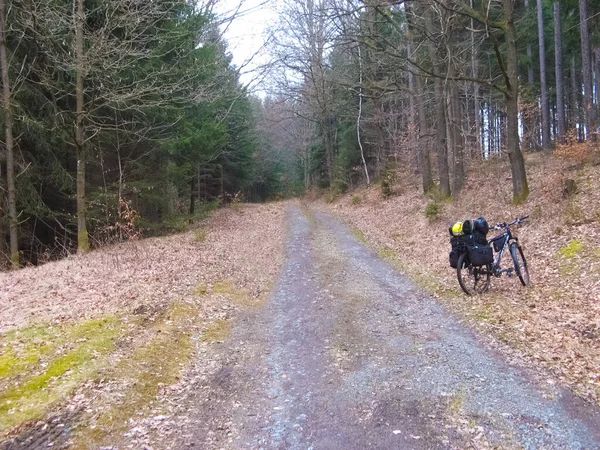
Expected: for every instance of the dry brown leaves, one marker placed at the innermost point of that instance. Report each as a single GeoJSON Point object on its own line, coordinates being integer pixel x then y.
{"type": "Point", "coordinates": [242, 247]}
{"type": "Point", "coordinates": [556, 322]}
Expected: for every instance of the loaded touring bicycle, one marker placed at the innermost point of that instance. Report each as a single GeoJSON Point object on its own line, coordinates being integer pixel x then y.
{"type": "Point", "coordinates": [473, 258]}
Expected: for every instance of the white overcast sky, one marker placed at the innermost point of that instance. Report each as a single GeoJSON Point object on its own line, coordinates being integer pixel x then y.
{"type": "Point", "coordinates": [248, 31]}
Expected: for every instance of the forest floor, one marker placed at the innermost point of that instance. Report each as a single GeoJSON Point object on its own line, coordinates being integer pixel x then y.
{"type": "Point", "coordinates": [345, 353]}
{"type": "Point", "coordinates": [89, 342]}
{"type": "Point", "coordinates": [554, 324]}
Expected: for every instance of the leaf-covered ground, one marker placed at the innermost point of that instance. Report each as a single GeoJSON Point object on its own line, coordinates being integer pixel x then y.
{"type": "Point", "coordinates": [144, 272]}
{"type": "Point", "coordinates": [84, 341]}
{"type": "Point", "coordinates": [556, 322]}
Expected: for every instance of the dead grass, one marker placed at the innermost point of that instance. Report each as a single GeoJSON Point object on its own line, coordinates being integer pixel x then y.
{"type": "Point", "coordinates": [556, 322]}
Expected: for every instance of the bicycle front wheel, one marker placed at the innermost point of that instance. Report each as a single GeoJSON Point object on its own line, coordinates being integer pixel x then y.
{"type": "Point", "coordinates": [472, 280]}
{"type": "Point", "coordinates": [520, 263]}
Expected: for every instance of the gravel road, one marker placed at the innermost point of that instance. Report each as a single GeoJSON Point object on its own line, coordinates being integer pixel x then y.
{"type": "Point", "coordinates": [350, 354]}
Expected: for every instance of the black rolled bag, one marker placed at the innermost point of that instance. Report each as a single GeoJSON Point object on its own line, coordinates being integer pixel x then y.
{"type": "Point", "coordinates": [480, 225]}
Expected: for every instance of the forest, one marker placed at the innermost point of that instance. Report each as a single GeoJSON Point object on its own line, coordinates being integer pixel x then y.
{"type": "Point", "coordinates": [127, 118]}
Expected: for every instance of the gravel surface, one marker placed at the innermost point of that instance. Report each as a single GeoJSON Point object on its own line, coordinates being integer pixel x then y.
{"type": "Point", "coordinates": [349, 354]}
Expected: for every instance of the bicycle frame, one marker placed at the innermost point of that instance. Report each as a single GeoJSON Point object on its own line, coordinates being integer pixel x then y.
{"type": "Point", "coordinates": [496, 269]}
{"type": "Point", "coordinates": [507, 238]}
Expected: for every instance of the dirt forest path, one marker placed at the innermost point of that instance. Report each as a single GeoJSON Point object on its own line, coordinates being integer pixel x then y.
{"type": "Point", "coordinates": [349, 354]}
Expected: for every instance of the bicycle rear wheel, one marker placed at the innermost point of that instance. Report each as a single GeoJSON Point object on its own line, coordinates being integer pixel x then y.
{"type": "Point", "coordinates": [472, 280]}
{"type": "Point", "coordinates": [520, 263]}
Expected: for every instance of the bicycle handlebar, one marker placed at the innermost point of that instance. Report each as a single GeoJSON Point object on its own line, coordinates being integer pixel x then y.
{"type": "Point", "coordinates": [499, 226]}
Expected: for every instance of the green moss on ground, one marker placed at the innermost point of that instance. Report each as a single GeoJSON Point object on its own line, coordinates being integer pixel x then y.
{"type": "Point", "coordinates": [359, 235]}
{"type": "Point", "coordinates": [572, 249]}
{"type": "Point", "coordinates": [217, 332]}
{"type": "Point", "coordinates": [40, 366]}
{"type": "Point", "coordinates": [309, 215]}
{"type": "Point", "coordinates": [144, 372]}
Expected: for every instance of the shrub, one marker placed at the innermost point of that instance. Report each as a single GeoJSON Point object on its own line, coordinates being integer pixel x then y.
{"type": "Point", "coordinates": [432, 210]}
{"type": "Point", "coordinates": [388, 179]}
{"type": "Point", "coordinates": [356, 200]}
{"type": "Point", "coordinates": [339, 187]}
{"type": "Point", "coordinates": [574, 151]}
{"type": "Point", "coordinates": [200, 235]}
{"type": "Point", "coordinates": [386, 189]}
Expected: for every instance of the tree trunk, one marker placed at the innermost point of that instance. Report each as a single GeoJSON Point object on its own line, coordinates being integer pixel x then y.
{"type": "Point", "coordinates": [329, 148]}
{"type": "Point", "coordinates": [83, 243]}
{"type": "Point", "coordinates": [441, 136]}
{"type": "Point", "coordinates": [457, 139]}
{"type": "Point", "coordinates": [588, 94]}
{"type": "Point", "coordinates": [530, 79]}
{"type": "Point", "coordinates": [475, 87]}
{"type": "Point", "coordinates": [544, 86]}
{"type": "Point", "coordinates": [597, 78]}
{"type": "Point", "coordinates": [424, 157]}
{"type": "Point", "coordinates": [412, 113]}
{"type": "Point", "coordinates": [192, 210]}
{"type": "Point", "coordinates": [418, 106]}
{"type": "Point", "coordinates": [10, 155]}
{"type": "Point", "coordinates": [306, 170]}
{"type": "Point", "coordinates": [517, 163]}
{"type": "Point", "coordinates": [529, 134]}
{"type": "Point", "coordinates": [558, 70]}
{"type": "Point", "coordinates": [574, 114]}
{"type": "Point", "coordinates": [454, 121]}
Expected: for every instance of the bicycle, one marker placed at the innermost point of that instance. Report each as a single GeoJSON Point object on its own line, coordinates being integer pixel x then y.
{"type": "Point", "coordinates": [477, 279]}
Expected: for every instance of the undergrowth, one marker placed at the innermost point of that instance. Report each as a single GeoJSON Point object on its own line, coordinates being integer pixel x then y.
{"type": "Point", "coordinates": [178, 223]}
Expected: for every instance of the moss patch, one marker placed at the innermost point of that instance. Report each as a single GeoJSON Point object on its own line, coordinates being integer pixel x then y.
{"type": "Point", "coordinates": [309, 215]}
{"type": "Point", "coordinates": [40, 366]}
{"type": "Point", "coordinates": [572, 249]}
{"type": "Point", "coordinates": [387, 253]}
{"type": "Point", "coordinates": [223, 287]}
{"type": "Point", "coordinates": [151, 366]}
{"type": "Point", "coordinates": [359, 235]}
{"type": "Point", "coordinates": [217, 332]}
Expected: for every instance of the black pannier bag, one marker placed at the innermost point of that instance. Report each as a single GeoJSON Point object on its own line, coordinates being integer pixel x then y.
{"type": "Point", "coordinates": [479, 254]}
{"type": "Point", "coordinates": [458, 248]}
{"type": "Point", "coordinates": [479, 237]}
{"type": "Point", "coordinates": [468, 226]}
